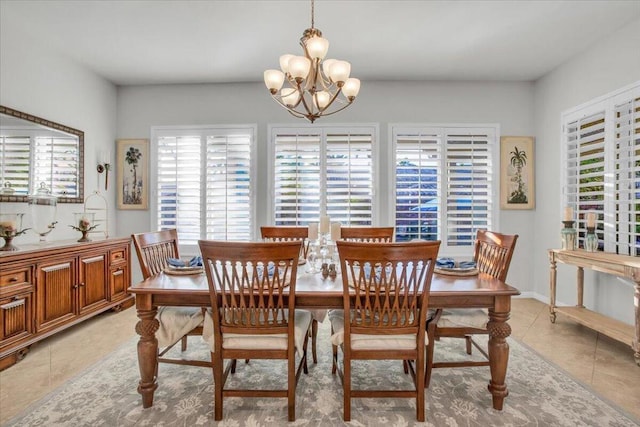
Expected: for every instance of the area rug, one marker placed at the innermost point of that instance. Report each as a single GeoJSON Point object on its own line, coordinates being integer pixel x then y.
{"type": "Point", "coordinates": [539, 395]}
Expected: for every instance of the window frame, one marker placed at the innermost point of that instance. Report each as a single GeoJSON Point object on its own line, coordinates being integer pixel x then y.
{"type": "Point", "coordinates": [493, 213]}
{"type": "Point", "coordinates": [373, 128]}
{"type": "Point", "coordinates": [203, 131]}
{"type": "Point", "coordinates": [605, 104]}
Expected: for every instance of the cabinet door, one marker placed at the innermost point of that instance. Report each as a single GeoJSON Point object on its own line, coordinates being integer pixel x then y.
{"type": "Point", "coordinates": [15, 318]}
{"type": "Point", "coordinates": [119, 282]}
{"type": "Point", "coordinates": [55, 290]}
{"type": "Point", "coordinates": [93, 286]}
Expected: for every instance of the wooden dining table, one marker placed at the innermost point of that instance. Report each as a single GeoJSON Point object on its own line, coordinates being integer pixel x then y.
{"type": "Point", "coordinates": [314, 292]}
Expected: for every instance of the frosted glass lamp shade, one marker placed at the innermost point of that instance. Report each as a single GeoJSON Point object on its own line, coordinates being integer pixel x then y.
{"type": "Point", "coordinates": [299, 67]}
{"type": "Point", "coordinates": [339, 71]}
{"type": "Point", "coordinates": [290, 96]}
{"type": "Point", "coordinates": [351, 88]}
{"type": "Point", "coordinates": [317, 47]}
{"type": "Point", "coordinates": [273, 79]}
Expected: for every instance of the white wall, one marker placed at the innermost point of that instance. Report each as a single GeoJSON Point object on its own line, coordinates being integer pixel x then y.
{"type": "Point", "coordinates": [611, 64]}
{"type": "Point", "coordinates": [43, 83]}
{"type": "Point", "coordinates": [508, 104]}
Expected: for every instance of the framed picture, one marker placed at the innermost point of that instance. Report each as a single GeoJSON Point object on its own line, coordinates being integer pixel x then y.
{"type": "Point", "coordinates": [133, 173]}
{"type": "Point", "coordinates": [517, 183]}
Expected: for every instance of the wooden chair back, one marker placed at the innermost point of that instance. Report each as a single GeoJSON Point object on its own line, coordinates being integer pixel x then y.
{"type": "Point", "coordinates": [367, 234]}
{"type": "Point", "coordinates": [493, 252]}
{"type": "Point", "coordinates": [153, 249]}
{"type": "Point", "coordinates": [391, 282]}
{"type": "Point", "coordinates": [286, 234]}
{"type": "Point", "coordinates": [252, 286]}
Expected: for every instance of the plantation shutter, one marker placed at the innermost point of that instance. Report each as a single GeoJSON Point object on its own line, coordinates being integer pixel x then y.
{"type": "Point", "coordinates": [297, 178]}
{"type": "Point", "coordinates": [468, 203]}
{"type": "Point", "coordinates": [418, 158]}
{"type": "Point", "coordinates": [228, 192]}
{"type": "Point", "coordinates": [602, 168]}
{"type": "Point", "coordinates": [204, 182]}
{"type": "Point", "coordinates": [326, 169]}
{"type": "Point", "coordinates": [349, 182]}
{"type": "Point", "coordinates": [14, 162]}
{"type": "Point", "coordinates": [444, 184]}
{"type": "Point", "coordinates": [627, 176]}
{"type": "Point", "coordinates": [179, 176]}
{"type": "Point", "coordinates": [56, 163]}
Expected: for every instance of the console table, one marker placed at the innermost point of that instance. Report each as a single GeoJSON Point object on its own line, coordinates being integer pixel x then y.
{"type": "Point", "coordinates": [48, 287]}
{"type": "Point", "coordinates": [618, 265]}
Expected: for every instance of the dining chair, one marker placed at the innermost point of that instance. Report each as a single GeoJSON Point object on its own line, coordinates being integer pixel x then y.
{"type": "Point", "coordinates": [298, 234]}
{"type": "Point", "coordinates": [175, 323]}
{"type": "Point", "coordinates": [367, 234]}
{"type": "Point", "coordinates": [386, 293]}
{"type": "Point", "coordinates": [253, 316]}
{"type": "Point", "coordinates": [492, 253]}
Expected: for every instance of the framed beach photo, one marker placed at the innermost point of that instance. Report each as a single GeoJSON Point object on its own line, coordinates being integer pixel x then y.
{"type": "Point", "coordinates": [517, 183]}
{"type": "Point", "coordinates": [132, 172]}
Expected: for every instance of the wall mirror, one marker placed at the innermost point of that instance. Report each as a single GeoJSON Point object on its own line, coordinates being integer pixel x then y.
{"type": "Point", "coordinates": [35, 152]}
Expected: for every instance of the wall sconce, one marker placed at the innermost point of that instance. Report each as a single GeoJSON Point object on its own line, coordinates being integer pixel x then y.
{"type": "Point", "coordinates": [105, 166]}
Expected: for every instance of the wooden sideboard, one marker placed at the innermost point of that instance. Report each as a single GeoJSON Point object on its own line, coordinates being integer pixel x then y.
{"type": "Point", "coordinates": [618, 265]}
{"type": "Point", "coordinates": [45, 288]}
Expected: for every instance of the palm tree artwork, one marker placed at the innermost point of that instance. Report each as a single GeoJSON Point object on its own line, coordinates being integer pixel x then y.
{"type": "Point", "coordinates": [518, 161]}
{"type": "Point", "coordinates": [133, 197]}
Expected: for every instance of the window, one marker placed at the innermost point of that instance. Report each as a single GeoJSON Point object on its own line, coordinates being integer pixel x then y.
{"type": "Point", "coordinates": [204, 182]}
{"type": "Point", "coordinates": [318, 169]}
{"type": "Point", "coordinates": [602, 168]}
{"type": "Point", "coordinates": [444, 183]}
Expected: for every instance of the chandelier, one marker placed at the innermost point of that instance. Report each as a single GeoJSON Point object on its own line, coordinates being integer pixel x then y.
{"type": "Point", "coordinates": [314, 83]}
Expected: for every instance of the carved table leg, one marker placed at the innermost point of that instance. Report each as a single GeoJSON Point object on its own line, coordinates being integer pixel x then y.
{"type": "Point", "coordinates": [147, 349]}
{"type": "Point", "coordinates": [499, 330]}
{"type": "Point", "coordinates": [552, 287]}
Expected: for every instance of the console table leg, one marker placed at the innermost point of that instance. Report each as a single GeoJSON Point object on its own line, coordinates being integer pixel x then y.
{"type": "Point", "coordinates": [580, 281]}
{"type": "Point", "coordinates": [636, 342]}
{"type": "Point", "coordinates": [147, 351]}
{"type": "Point", "coordinates": [499, 330]}
{"type": "Point", "coordinates": [553, 270]}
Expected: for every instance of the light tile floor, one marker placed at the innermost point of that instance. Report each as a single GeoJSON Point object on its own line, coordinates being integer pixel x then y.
{"type": "Point", "coordinates": [605, 365]}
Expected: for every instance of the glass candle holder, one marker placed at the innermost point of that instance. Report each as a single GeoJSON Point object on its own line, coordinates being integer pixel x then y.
{"type": "Point", "coordinates": [10, 227]}
{"type": "Point", "coordinates": [591, 240]}
{"type": "Point", "coordinates": [43, 207]}
{"type": "Point", "coordinates": [568, 236]}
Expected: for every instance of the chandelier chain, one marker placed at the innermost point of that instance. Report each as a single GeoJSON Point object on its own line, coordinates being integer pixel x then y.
{"type": "Point", "coordinates": [312, 13]}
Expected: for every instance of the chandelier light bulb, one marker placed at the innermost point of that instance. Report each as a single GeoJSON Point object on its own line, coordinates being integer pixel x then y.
{"type": "Point", "coordinates": [351, 88]}
{"type": "Point", "coordinates": [273, 79]}
{"type": "Point", "coordinates": [317, 47]}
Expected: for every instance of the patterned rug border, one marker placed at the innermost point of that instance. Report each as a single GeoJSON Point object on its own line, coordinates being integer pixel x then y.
{"type": "Point", "coordinates": [131, 344]}
{"type": "Point", "coordinates": [584, 385]}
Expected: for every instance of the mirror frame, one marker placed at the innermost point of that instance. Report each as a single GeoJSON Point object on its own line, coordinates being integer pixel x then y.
{"type": "Point", "coordinates": [57, 126]}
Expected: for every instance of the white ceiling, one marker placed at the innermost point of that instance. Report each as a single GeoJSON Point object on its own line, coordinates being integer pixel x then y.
{"type": "Point", "coordinates": [149, 42]}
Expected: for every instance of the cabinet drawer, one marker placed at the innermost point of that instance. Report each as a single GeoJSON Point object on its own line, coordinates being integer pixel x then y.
{"type": "Point", "coordinates": [17, 277]}
{"type": "Point", "coordinates": [118, 255]}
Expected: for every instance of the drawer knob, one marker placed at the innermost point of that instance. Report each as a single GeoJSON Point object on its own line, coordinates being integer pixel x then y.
{"type": "Point", "coordinates": [13, 279]}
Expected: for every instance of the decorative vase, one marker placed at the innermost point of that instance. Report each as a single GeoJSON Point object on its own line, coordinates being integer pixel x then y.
{"type": "Point", "coordinates": [591, 240]}
{"type": "Point", "coordinates": [84, 224]}
{"type": "Point", "coordinates": [10, 227]}
{"type": "Point", "coordinates": [568, 236]}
